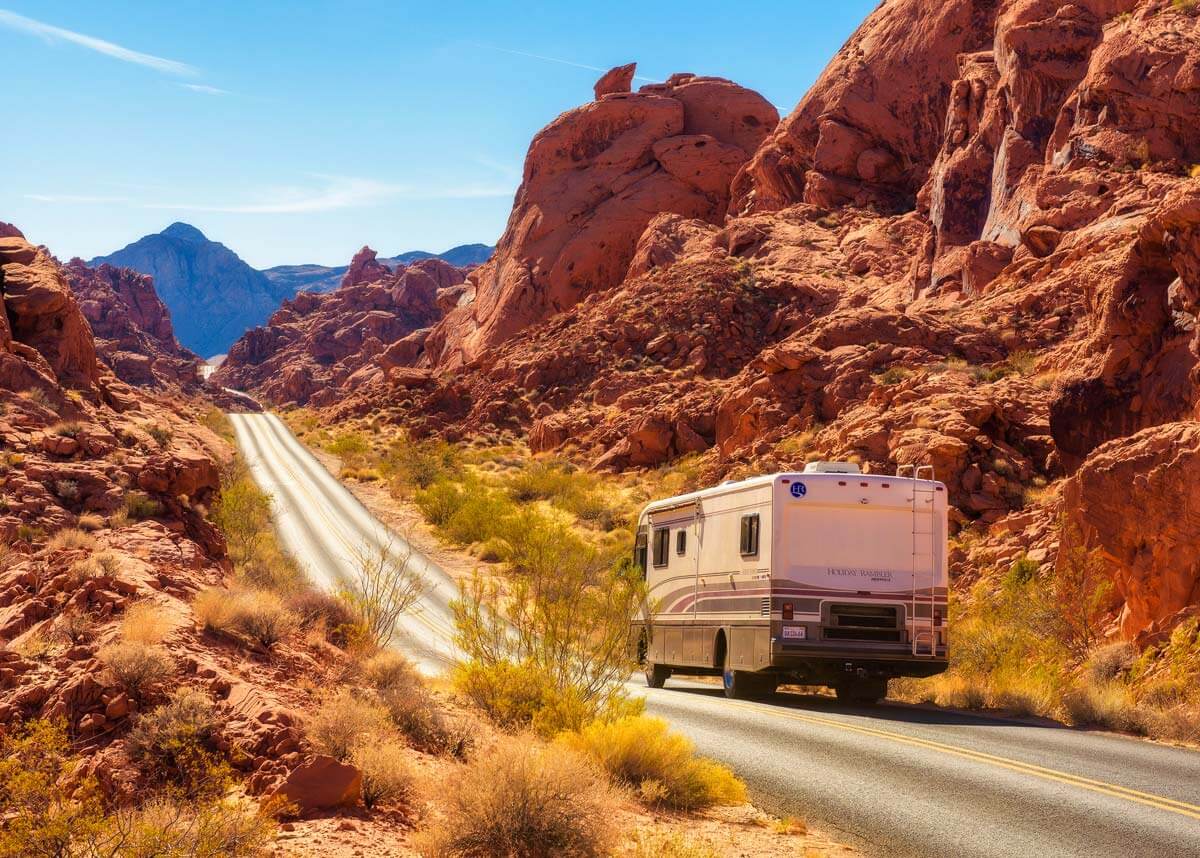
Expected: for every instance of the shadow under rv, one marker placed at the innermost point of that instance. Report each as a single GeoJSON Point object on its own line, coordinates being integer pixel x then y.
{"type": "Point", "coordinates": [827, 577]}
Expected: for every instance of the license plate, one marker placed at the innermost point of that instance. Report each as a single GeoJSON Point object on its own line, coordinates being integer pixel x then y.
{"type": "Point", "coordinates": [795, 633]}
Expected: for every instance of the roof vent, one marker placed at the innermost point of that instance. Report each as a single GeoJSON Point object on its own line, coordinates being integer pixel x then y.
{"type": "Point", "coordinates": [832, 468]}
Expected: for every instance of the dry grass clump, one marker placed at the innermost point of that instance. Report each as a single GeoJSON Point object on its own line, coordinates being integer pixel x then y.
{"type": "Point", "coordinates": [259, 615]}
{"type": "Point", "coordinates": [315, 608]}
{"type": "Point", "coordinates": [74, 626]}
{"type": "Point", "coordinates": [90, 521]}
{"type": "Point", "coordinates": [176, 741]}
{"type": "Point", "coordinates": [640, 752]}
{"type": "Point", "coordinates": [525, 800]}
{"type": "Point", "coordinates": [670, 845]}
{"type": "Point", "coordinates": [140, 506]}
{"type": "Point", "coordinates": [410, 705]}
{"type": "Point", "coordinates": [344, 722]}
{"type": "Point", "coordinates": [1107, 662]}
{"type": "Point", "coordinates": [166, 826]}
{"type": "Point", "coordinates": [1109, 705]}
{"type": "Point", "coordinates": [71, 538]}
{"type": "Point", "coordinates": [145, 622]}
{"type": "Point", "coordinates": [137, 667]}
{"type": "Point", "coordinates": [386, 775]}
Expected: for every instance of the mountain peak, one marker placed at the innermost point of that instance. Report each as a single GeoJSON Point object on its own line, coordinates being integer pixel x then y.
{"type": "Point", "coordinates": [184, 232]}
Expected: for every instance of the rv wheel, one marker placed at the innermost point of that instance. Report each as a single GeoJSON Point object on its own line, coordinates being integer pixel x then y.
{"type": "Point", "coordinates": [656, 674]}
{"type": "Point", "coordinates": [862, 692]}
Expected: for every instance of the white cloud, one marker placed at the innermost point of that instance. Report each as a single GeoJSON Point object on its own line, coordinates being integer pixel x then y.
{"type": "Point", "coordinates": [205, 89]}
{"type": "Point", "coordinates": [339, 192]}
{"type": "Point", "coordinates": [74, 198]}
{"type": "Point", "coordinates": [52, 34]}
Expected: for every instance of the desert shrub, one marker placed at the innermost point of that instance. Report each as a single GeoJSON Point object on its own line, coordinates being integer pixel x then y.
{"type": "Point", "coordinates": [543, 480]}
{"type": "Point", "coordinates": [386, 775]}
{"type": "Point", "coordinates": [40, 818]}
{"type": "Point", "coordinates": [1106, 663]}
{"type": "Point", "coordinates": [242, 511]}
{"type": "Point", "coordinates": [145, 622]}
{"type": "Point", "coordinates": [162, 435]}
{"type": "Point", "coordinates": [439, 501]}
{"type": "Point", "coordinates": [216, 421]}
{"type": "Point", "coordinates": [642, 753]}
{"type": "Point", "coordinates": [669, 845]}
{"type": "Point", "coordinates": [1179, 723]}
{"type": "Point", "coordinates": [140, 506]}
{"type": "Point", "coordinates": [345, 721]}
{"type": "Point", "coordinates": [1164, 693]}
{"type": "Point", "coordinates": [1021, 362]}
{"type": "Point", "coordinates": [313, 607]}
{"type": "Point", "coordinates": [481, 514]}
{"type": "Point", "coordinates": [137, 667]}
{"type": "Point", "coordinates": [893, 375]}
{"type": "Point", "coordinates": [176, 743]}
{"type": "Point", "coordinates": [269, 568]}
{"type": "Point", "coordinates": [960, 692]}
{"type": "Point", "coordinates": [167, 826]}
{"type": "Point", "coordinates": [389, 669]}
{"type": "Point", "coordinates": [90, 521]}
{"type": "Point", "coordinates": [350, 447]}
{"type": "Point", "coordinates": [385, 581]}
{"type": "Point", "coordinates": [67, 429]}
{"type": "Point", "coordinates": [259, 615]}
{"type": "Point", "coordinates": [1081, 592]}
{"type": "Point", "coordinates": [418, 464]}
{"type": "Point", "coordinates": [523, 800]}
{"type": "Point", "coordinates": [74, 626]}
{"type": "Point", "coordinates": [30, 534]}
{"type": "Point", "coordinates": [68, 490]}
{"type": "Point", "coordinates": [1108, 705]}
{"type": "Point", "coordinates": [71, 538]}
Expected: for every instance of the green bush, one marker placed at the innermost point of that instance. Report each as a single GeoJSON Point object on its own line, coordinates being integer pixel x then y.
{"type": "Point", "coordinates": [176, 742]}
{"type": "Point", "coordinates": [140, 506]}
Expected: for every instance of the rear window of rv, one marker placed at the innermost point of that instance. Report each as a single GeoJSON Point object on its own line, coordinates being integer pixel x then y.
{"type": "Point", "coordinates": [662, 538]}
{"type": "Point", "coordinates": [749, 534]}
{"type": "Point", "coordinates": [681, 542]}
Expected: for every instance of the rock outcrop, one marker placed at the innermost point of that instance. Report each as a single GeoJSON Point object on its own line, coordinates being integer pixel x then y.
{"type": "Point", "coordinates": [593, 179]}
{"type": "Point", "coordinates": [317, 347]}
{"type": "Point", "coordinates": [131, 325]}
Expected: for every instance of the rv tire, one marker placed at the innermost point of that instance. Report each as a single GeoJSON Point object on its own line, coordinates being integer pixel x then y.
{"type": "Point", "coordinates": [656, 674]}
{"type": "Point", "coordinates": [862, 692]}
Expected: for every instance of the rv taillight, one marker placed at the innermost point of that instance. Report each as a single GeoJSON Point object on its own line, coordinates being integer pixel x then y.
{"type": "Point", "coordinates": [788, 611]}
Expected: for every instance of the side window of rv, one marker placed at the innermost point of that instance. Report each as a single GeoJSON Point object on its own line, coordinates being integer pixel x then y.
{"type": "Point", "coordinates": [749, 534]}
{"type": "Point", "coordinates": [662, 537]}
{"type": "Point", "coordinates": [681, 542]}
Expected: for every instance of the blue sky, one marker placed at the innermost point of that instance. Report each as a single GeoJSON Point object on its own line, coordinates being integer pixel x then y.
{"type": "Point", "coordinates": [297, 132]}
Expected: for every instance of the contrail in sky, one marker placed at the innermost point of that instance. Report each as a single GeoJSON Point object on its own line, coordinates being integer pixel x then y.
{"type": "Point", "coordinates": [50, 33]}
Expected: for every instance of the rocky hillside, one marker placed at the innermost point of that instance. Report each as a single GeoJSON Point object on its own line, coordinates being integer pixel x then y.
{"type": "Point", "coordinates": [323, 278]}
{"type": "Point", "coordinates": [213, 295]}
{"type": "Point", "coordinates": [131, 325]}
{"type": "Point", "coordinates": [975, 242]}
{"type": "Point", "coordinates": [317, 345]}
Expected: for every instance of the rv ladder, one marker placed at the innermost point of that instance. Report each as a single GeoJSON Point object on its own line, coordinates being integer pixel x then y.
{"type": "Point", "coordinates": [924, 557]}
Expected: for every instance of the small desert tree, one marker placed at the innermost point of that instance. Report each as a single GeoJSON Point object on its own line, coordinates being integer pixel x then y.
{"type": "Point", "coordinates": [551, 646]}
{"type": "Point", "coordinates": [385, 582]}
{"type": "Point", "coordinates": [1082, 591]}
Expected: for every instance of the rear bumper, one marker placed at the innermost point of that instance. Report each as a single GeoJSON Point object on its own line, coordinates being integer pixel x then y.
{"type": "Point", "coordinates": [827, 660]}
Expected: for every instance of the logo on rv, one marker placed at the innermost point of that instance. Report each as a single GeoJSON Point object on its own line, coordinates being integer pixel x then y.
{"type": "Point", "coordinates": [799, 490]}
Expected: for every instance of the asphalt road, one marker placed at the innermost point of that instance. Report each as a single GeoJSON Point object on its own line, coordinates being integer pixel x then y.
{"type": "Point", "coordinates": [892, 779]}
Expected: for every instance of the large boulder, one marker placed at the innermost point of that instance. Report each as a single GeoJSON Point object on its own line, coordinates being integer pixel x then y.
{"type": "Point", "coordinates": [593, 180]}
{"type": "Point", "coordinates": [1154, 562]}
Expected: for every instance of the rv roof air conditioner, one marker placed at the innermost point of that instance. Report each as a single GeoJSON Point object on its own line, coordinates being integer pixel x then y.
{"type": "Point", "coordinates": [832, 468]}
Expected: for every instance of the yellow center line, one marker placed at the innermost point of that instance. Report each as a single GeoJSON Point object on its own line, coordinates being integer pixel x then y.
{"type": "Point", "coordinates": [336, 531]}
{"type": "Point", "coordinates": [1102, 787]}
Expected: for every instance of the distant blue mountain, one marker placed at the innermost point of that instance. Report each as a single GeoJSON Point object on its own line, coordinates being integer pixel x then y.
{"type": "Point", "coordinates": [215, 297]}
{"type": "Point", "coordinates": [323, 278]}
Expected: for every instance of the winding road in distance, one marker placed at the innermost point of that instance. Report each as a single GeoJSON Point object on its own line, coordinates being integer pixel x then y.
{"type": "Point", "coordinates": [891, 779]}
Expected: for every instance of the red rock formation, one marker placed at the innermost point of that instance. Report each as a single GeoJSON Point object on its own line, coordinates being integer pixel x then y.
{"type": "Point", "coordinates": [317, 344]}
{"type": "Point", "coordinates": [594, 178]}
{"type": "Point", "coordinates": [364, 269]}
{"type": "Point", "coordinates": [616, 80]}
{"type": "Point", "coordinates": [132, 326]}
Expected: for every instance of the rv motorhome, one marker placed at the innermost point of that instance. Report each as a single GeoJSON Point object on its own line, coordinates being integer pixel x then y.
{"type": "Point", "coordinates": [827, 577]}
